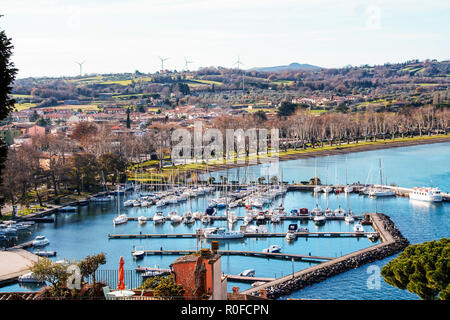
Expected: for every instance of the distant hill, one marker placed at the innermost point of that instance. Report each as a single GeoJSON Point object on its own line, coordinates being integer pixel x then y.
{"type": "Point", "coordinates": [292, 66]}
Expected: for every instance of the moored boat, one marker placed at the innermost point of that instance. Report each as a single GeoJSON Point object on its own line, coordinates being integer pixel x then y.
{"type": "Point", "coordinates": [426, 194]}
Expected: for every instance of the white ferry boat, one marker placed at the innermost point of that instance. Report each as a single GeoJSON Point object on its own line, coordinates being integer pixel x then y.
{"type": "Point", "coordinates": [426, 194]}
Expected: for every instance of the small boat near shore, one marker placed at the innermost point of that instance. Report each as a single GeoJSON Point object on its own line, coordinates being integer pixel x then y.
{"type": "Point", "coordinates": [29, 278]}
{"type": "Point", "coordinates": [67, 209]}
{"type": "Point", "coordinates": [45, 253]}
{"type": "Point", "coordinates": [40, 241]}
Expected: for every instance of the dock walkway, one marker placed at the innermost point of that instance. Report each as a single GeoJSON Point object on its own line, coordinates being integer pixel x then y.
{"type": "Point", "coordinates": [328, 234]}
{"type": "Point", "coordinates": [268, 255]}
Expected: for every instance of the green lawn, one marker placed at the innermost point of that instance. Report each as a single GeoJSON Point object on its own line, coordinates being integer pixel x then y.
{"type": "Point", "coordinates": [24, 106]}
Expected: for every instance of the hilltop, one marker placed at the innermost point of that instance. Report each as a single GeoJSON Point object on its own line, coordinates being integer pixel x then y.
{"type": "Point", "coordinates": [292, 66]}
{"type": "Point", "coordinates": [412, 83]}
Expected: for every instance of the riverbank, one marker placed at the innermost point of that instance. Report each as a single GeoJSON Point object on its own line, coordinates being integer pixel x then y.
{"type": "Point", "coordinates": [321, 152]}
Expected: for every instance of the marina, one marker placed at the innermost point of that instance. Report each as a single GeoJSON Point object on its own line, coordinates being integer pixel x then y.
{"type": "Point", "coordinates": [336, 238]}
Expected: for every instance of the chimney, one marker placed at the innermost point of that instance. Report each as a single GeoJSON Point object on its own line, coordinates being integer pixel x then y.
{"type": "Point", "coordinates": [214, 246]}
{"type": "Point", "coordinates": [263, 293]}
{"type": "Point", "coordinates": [235, 290]}
{"type": "Point", "coordinates": [205, 253]}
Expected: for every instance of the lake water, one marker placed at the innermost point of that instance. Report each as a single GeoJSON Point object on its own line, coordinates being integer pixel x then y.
{"type": "Point", "coordinates": [75, 235]}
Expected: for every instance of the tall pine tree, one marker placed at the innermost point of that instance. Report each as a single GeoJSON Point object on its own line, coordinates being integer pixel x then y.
{"type": "Point", "coordinates": [7, 77]}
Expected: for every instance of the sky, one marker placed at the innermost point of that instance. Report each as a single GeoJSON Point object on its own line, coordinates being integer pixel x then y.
{"type": "Point", "coordinates": [114, 36]}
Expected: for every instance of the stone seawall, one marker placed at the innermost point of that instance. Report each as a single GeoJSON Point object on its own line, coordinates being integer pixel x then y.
{"type": "Point", "coordinates": [393, 242]}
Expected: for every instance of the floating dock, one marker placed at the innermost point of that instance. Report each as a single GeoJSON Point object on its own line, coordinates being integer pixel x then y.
{"type": "Point", "coordinates": [268, 255]}
{"type": "Point", "coordinates": [328, 234]}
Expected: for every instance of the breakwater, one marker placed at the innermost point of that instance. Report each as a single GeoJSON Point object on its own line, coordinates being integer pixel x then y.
{"type": "Point", "coordinates": [392, 243]}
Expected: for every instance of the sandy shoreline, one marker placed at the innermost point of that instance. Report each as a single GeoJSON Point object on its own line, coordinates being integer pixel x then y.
{"type": "Point", "coordinates": [339, 150]}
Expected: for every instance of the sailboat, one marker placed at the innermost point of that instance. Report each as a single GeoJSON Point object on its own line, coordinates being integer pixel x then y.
{"type": "Point", "coordinates": [381, 191]}
{"type": "Point", "coordinates": [121, 218]}
{"type": "Point", "coordinates": [327, 188]}
{"type": "Point", "coordinates": [348, 188]}
{"type": "Point", "coordinates": [316, 188]}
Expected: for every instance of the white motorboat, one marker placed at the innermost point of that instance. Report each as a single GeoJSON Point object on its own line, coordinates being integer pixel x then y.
{"type": "Point", "coordinates": [158, 217]}
{"type": "Point", "coordinates": [68, 209]}
{"type": "Point", "coordinates": [145, 203]}
{"type": "Point", "coordinates": [101, 199]}
{"type": "Point", "coordinates": [327, 189]}
{"type": "Point", "coordinates": [172, 213]}
{"type": "Point", "coordinates": [45, 253]}
{"type": "Point", "coordinates": [160, 203]}
{"type": "Point", "coordinates": [120, 219]}
{"type": "Point", "coordinates": [317, 189]}
{"type": "Point", "coordinates": [29, 278]}
{"type": "Point", "coordinates": [339, 212]}
{"type": "Point", "coordinates": [206, 219]}
{"type": "Point", "coordinates": [317, 211]}
{"type": "Point", "coordinates": [328, 212]}
{"type": "Point", "coordinates": [358, 228]}
{"type": "Point", "coordinates": [373, 237]}
{"type": "Point", "coordinates": [221, 233]}
{"type": "Point", "coordinates": [349, 218]}
{"type": "Point", "coordinates": [261, 216]}
{"type": "Point", "coordinates": [348, 189]}
{"type": "Point", "coordinates": [319, 220]}
{"type": "Point", "coordinates": [138, 254]}
{"type": "Point", "coordinates": [40, 241]}
{"type": "Point", "coordinates": [381, 192]}
{"type": "Point", "coordinates": [188, 219]}
{"type": "Point", "coordinates": [275, 218]}
{"type": "Point", "coordinates": [142, 220]}
{"type": "Point", "coordinates": [272, 249]}
{"type": "Point", "coordinates": [197, 215]}
{"type": "Point", "coordinates": [136, 203]}
{"type": "Point", "coordinates": [291, 236]}
{"type": "Point", "coordinates": [426, 194]}
{"type": "Point", "coordinates": [128, 203]}
{"type": "Point", "coordinates": [248, 273]}
{"type": "Point", "coordinates": [176, 219]}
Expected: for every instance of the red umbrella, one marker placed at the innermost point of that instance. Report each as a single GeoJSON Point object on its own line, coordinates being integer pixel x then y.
{"type": "Point", "coordinates": [121, 285]}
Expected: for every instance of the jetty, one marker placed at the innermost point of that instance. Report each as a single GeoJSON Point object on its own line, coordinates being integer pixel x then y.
{"type": "Point", "coordinates": [392, 242]}
{"type": "Point", "coordinates": [268, 255]}
{"type": "Point", "coordinates": [283, 218]}
{"type": "Point", "coordinates": [324, 234]}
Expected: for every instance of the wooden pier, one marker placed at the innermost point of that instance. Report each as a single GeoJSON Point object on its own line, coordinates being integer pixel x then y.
{"type": "Point", "coordinates": [283, 218]}
{"type": "Point", "coordinates": [327, 234]}
{"type": "Point", "coordinates": [268, 255]}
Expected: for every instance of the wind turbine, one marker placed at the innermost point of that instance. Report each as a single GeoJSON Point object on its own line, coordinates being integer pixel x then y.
{"type": "Point", "coordinates": [238, 63]}
{"type": "Point", "coordinates": [162, 62]}
{"type": "Point", "coordinates": [81, 66]}
{"type": "Point", "coordinates": [186, 64]}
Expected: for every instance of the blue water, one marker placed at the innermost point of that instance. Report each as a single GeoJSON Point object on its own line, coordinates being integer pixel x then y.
{"type": "Point", "coordinates": [75, 235]}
